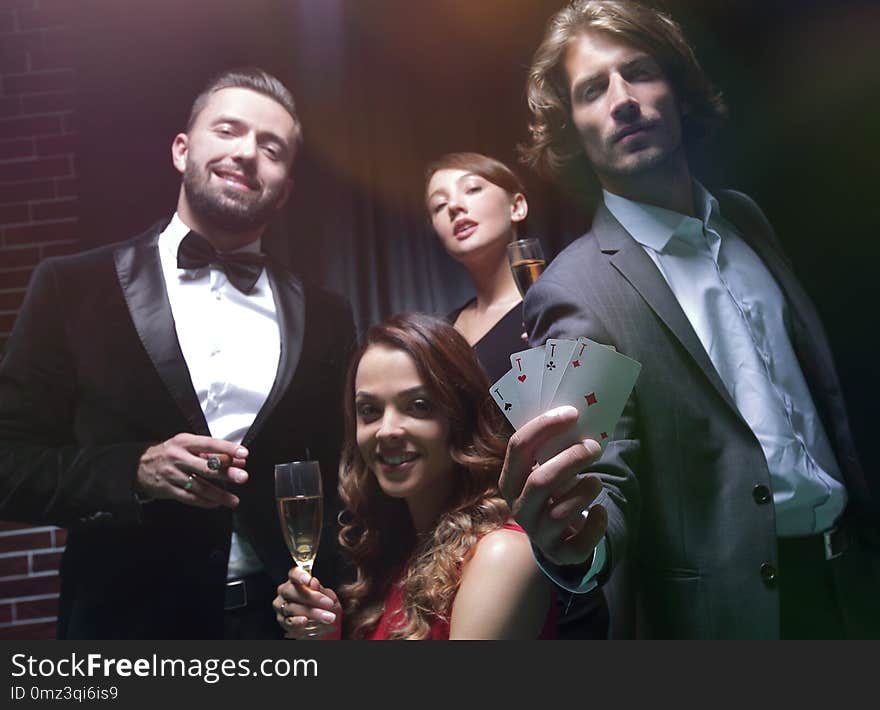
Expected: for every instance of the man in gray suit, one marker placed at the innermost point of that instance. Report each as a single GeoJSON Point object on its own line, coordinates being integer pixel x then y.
{"type": "Point", "coordinates": [732, 503]}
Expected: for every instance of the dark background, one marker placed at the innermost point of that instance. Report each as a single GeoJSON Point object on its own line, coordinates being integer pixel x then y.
{"type": "Point", "coordinates": [384, 86]}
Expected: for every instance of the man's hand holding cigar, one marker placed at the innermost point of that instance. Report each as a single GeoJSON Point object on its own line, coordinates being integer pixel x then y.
{"type": "Point", "coordinates": [188, 467]}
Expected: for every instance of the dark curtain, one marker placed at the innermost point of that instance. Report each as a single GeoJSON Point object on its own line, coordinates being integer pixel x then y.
{"type": "Point", "coordinates": [385, 86]}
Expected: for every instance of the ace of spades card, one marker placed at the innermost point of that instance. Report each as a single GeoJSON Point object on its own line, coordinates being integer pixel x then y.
{"type": "Point", "coordinates": [594, 378]}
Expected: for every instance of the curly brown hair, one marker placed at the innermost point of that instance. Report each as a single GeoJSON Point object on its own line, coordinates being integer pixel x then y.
{"type": "Point", "coordinates": [377, 530]}
{"type": "Point", "coordinates": [554, 149]}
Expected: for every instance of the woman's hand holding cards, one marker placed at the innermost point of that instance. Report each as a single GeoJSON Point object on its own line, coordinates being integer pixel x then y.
{"type": "Point", "coordinates": [548, 500]}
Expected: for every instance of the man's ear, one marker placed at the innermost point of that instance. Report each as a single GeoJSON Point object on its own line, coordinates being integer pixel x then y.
{"type": "Point", "coordinates": [288, 188]}
{"type": "Point", "coordinates": [179, 149]}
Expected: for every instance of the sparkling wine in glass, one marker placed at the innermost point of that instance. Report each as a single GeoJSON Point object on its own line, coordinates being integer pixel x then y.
{"type": "Point", "coordinates": [527, 262]}
{"type": "Point", "coordinates": [300, 509]}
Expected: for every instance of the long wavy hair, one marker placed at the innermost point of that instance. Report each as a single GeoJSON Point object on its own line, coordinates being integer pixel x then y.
{"type": "Point", "coordinates": [554, 149]}
{"type": "Point", "coordinates": [377, 530]}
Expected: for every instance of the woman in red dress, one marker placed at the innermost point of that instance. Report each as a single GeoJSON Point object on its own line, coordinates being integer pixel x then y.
{"type": "Point", "coordinates": [436, 551]}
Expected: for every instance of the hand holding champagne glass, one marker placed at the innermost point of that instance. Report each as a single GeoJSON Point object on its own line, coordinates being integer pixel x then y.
{"type": "Point", "coordinates": [527, 262]}
{"type": "Point", "coordinates": [300, 509]}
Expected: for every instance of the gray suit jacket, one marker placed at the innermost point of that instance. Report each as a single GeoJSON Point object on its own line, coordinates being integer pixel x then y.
{"type": "Point", "coordinates": [692, 543]}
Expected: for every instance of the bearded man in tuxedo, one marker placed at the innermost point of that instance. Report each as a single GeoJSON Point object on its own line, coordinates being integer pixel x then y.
{"type": "Point", "coordinates": [149, 387]}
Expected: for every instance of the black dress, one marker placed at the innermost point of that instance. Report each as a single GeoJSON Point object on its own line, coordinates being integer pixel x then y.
{"type": "Point", "coordinates": [495, 348]}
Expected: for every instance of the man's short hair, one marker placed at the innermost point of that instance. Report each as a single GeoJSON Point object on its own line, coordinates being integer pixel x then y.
{"type": "Point", "coordinates": [554, 150]}
{"type": "Point", "coordinates": [255, 79]}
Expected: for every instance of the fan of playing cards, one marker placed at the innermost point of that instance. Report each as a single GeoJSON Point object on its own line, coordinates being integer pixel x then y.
{"type": "Point", "coordinates": [593, 378]}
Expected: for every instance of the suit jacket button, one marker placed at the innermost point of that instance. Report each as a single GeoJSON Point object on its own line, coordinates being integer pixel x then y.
{"type": "Point", "coordinates": [761, 494]}
{"type": "Point", "coordinates": [768, 574]}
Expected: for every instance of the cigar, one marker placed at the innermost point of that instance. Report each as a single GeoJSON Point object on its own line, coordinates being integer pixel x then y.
{"type": "Point", "coordinates": [216, 462]}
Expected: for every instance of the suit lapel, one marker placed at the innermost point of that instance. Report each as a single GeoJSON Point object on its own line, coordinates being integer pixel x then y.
{"type": "Point", "coordinates": [140, 276]}
{"type": "Point", "coordinates": [628, 257]}
{"type": "Point", "coordinates": [290, 307]}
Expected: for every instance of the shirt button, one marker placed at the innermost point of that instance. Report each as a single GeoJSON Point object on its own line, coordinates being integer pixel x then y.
{"type": "Point", "coordinates": [217, 295]}
{"type": "Point", "coordinates": [761, 494]}
{"type": "Point", "coordinates": [768, 574]}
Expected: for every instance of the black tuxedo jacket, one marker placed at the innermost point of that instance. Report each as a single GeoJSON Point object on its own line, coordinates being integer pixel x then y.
{"type": "Point", "coordinates": [92, 376]}
{"type": "Point", "coordinates": [691, 539]}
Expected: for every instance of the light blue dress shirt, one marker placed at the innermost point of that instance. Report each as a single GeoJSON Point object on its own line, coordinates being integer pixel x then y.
{"type": "Point", "coordinates": [739, 314]}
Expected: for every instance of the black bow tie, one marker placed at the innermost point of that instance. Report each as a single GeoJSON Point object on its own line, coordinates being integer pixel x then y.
{"type": "Point", "coordinates": [242, 268]}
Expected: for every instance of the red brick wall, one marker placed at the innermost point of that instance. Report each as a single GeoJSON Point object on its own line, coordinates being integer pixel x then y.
{"type": "Point", "coordinates": [38, 218]}
{"type": "Point", "coordinates": [29, 580]}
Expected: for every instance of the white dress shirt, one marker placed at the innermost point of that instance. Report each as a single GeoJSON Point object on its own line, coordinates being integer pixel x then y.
{"type": "Point", "coordinates": [232, 346]}
{"type": "Point", "coordinates": [739, 314]}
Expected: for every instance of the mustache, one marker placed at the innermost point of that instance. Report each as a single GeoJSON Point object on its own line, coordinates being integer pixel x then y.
{"type": "Point", "coordinates": [630, 128]}
{"type": "Point", "coordinates": [249, 176]}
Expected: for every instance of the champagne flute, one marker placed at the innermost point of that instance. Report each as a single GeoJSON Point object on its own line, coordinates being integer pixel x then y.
{"type": "Point", "coordinates": [300, 509]}
{"type": "Point", "coordinates": [527, 262]}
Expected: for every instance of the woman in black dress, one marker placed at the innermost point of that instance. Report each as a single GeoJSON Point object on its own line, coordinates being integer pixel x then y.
{"type": "Point", "coordinates": [477, 204]}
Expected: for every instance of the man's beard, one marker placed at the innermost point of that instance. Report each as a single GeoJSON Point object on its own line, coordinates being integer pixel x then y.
{"type": "Point", "coordinates": [639, 165]}
{"type": "Point", "coordinates": [643, 164]}
{"type": "Point", "coordinates": [227, 211]}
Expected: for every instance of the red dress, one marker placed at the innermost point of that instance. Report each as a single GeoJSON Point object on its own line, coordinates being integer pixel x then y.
{"type": "Point", "coordinates": [440, 627]}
